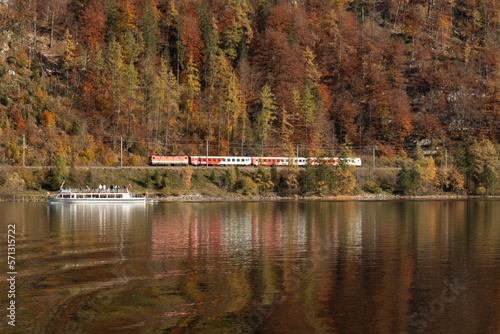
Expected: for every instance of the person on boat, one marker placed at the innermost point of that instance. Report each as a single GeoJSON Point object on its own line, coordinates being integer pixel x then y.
{"type": "Point", "coordinates": [100, 187]}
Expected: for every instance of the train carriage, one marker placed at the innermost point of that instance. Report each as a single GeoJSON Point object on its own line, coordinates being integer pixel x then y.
{"type": "Point", "coordinates": [354, 162]}
{"type": "Point", "coordinates": [277, 161]}
{"type": "Point", "coordinates": [169, 160]}
{"type": "Point", "coordinates": [219, 161]}
{"type": "Point", "coordinates": [335, 161]}
{"type": "Point", "coordinates": [326, 161]}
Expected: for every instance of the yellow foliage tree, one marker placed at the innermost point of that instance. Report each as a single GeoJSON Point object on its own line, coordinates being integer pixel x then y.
{"type": "Point", "coordinates": [344, 180]}
{"type": "Point", "coordinates": [429, 175]}
{"type": "Point", "coordinates": [186, 175]}
{"type": "Point", "coordinates": [13, 184]}
{"type": "Point", "coordinates": [47, 119]}
{"type": "Point", "coordinates": [292, 184]}
{"type": "Point", "coordinates": [456, 180]}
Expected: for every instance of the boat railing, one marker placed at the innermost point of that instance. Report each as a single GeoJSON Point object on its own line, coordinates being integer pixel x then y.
{"type": "Point", "coordinates": [96, 190]}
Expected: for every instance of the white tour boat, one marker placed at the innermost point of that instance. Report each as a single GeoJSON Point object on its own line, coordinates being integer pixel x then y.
{"type": "Point", "coordinates": [95, 196]}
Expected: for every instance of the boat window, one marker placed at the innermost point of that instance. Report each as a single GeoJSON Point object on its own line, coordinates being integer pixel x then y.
{"type": "Point", "coordinates": [119, 196]}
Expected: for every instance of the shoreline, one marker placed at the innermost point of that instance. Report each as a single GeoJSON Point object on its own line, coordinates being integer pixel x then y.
{"type": "Point", "coordinates": [30, 197]}
{"type": "Point", "coordinates": [344, 198]}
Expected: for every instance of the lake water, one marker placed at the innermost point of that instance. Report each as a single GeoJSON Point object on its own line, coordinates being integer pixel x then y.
{"type": "Point", "coordinates": [248, 267]}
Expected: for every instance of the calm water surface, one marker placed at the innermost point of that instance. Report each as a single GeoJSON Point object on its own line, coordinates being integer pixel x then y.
{"type": "Point", "coordinates": [243, 267]}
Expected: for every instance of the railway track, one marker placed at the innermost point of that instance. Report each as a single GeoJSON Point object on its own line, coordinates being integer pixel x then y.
{"type": "Point", "coordinates": [249, 168]}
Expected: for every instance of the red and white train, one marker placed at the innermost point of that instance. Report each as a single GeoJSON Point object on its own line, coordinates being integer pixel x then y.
{"type": "Point", "coordinates": [184, 160]}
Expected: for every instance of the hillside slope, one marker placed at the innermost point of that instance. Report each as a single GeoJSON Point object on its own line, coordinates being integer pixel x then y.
{"type": "Point", "coordinates": [81, 79]}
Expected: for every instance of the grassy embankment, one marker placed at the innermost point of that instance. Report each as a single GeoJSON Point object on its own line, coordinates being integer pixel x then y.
{"type": "Point", "coordinates": [33, 183]}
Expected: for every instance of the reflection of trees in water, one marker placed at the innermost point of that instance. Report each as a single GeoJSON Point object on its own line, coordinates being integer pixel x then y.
{"type": "Point", "coordinates": [230, 267]}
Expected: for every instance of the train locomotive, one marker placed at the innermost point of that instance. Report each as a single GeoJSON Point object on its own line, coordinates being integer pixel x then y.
{"type": "Point", "coordinates": [183, 160]}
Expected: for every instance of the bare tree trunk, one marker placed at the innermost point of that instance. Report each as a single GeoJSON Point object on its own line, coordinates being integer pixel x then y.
{"type": "Point", "coordinates": [228, 149]}
{"type": "Point", "coordinates": [52, 27]}
{"type": "Point", "coordinates": [220, 125]}
{"type": "Point", "coordinates": [168, 119]}
{"type": "Point", "coordinates": [149, 123]}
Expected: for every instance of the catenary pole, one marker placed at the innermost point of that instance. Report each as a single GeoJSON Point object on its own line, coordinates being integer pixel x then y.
{"type": "Point", "coordinates": [24, 150]}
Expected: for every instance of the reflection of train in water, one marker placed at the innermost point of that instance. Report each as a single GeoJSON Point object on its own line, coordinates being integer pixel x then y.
{"type": "Point", "coordinates": [184, 160]}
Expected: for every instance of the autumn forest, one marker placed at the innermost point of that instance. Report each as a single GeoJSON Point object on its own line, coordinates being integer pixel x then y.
{"type": "Point", "coordinates": [88, 79]}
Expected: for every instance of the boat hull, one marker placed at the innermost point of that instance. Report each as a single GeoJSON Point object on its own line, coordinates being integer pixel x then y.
{"type": "Point", "coordinates": [53, 200]}
{"type": "Point", "coordinates": [69, 196]}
